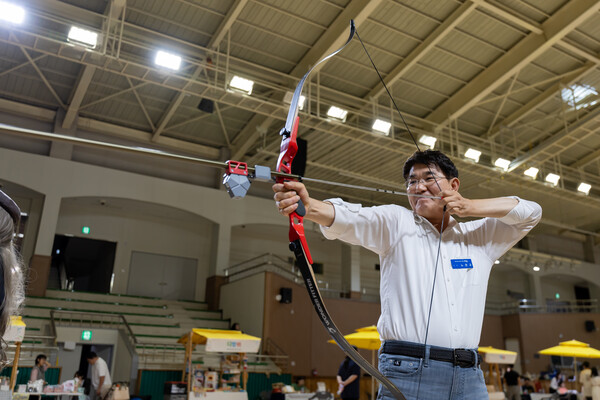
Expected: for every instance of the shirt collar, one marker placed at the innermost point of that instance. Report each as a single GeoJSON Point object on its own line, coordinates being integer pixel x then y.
{"type": "Point", "coordinates": [419, 220]}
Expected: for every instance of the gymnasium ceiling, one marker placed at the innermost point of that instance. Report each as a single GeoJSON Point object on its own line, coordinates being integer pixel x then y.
{"type": "Point", "coordinates": [514, 79]}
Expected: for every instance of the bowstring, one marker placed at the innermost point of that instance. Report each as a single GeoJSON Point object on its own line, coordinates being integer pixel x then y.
{"type": "Point", "coordinates": [439, 187]}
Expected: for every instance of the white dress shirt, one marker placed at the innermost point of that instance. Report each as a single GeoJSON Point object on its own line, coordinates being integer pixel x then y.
{"type": "Point", "coordinates": [407, 245]}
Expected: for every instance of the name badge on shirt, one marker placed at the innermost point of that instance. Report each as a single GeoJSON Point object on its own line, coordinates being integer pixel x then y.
{"type": "Point", "coordinates": [462, 263]}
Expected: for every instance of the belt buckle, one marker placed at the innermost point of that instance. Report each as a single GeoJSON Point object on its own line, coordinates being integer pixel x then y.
{"type": "Point", "coordinates": [461, 362]}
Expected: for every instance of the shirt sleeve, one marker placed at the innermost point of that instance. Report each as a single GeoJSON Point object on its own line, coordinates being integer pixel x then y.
{"type": "Point", "coordinates": [34, 374]}
{"type": "Point", "coordinates": [503, 233]}
{"type": "Point", "coordinates": [355, 370]}
{"type": "Point", "coordinates": [102, 370]}
{"type": "Point", "coordinates": [375, 228]}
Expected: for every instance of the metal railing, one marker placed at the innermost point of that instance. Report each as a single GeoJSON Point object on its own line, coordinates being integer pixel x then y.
{"type": "Point", "coordinates": [91, 319]}
{"type": "Point", "coordinates": [272, 262]}
{"type": "Point", "coordinates": [280, 357]}
{"type": "Point", "coordinates": [31, 346]}
{"type": "Point", "coordinates": [551, 306]}
{"type": "Point", "coordinates": [160, 356]}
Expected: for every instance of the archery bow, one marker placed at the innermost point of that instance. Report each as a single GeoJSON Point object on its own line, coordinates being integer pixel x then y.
{"type": "Point", "coordinates": [298, 242]}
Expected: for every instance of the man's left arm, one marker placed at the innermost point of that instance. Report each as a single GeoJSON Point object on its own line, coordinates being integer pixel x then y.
{"type": "Point", "coordinates": [509, 219]}
{"type": "Point", "coordinates": [100, 383]}
{"type": "Point", "coordinates": [458, 205]}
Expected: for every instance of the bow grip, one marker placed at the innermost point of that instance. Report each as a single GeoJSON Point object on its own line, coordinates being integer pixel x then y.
{"type": "Point", "coordinates": [288, 150]}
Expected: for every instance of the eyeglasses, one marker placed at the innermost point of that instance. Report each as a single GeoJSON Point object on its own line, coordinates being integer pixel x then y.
{"type": "Point", "coordinates": [411, 184]}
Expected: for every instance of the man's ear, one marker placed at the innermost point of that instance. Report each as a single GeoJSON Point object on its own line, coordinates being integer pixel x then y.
{"type": "Point", "coordinates": [455, 183]}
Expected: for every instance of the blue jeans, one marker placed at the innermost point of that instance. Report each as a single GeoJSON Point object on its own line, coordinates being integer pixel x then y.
{"type": "Point", "coordinates": [440, 380]}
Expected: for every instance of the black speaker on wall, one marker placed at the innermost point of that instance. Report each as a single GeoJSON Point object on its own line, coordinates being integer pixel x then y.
{"type": "Point", "coordinates": [590, 326]}
{"type": "Point", "coordinates": [286, 295]}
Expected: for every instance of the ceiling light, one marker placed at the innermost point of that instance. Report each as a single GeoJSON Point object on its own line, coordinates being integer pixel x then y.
{"type": "Point", "coordinates": [553, 179]}
{"type": "Point", "coordinates": [584, 188]}
{"type": "Point", "coordinates": [337, 113]}
{"type": "Point", "coordinates": [242, 85]}
{"type": "Point", "coordinates": [167, 60]}
{"type": "Point", "coordinates": [83, 36]}
{"type": "Point", "coordinates": [428, 141]}
{"type": "Point", "coordinates": [382, 126]}
{"type": "Point", "coordinates": [287, 99]}
{"type": "Point", "coordinates": [532, 172]}
{"type": "Point", "coordinates": [497, 262]}
{"type": "Point", "coordinates": [536, 268]}
{"type": "Point", "coordinates": [11, 12]}
{"type": "Point", "coordinates": [473, 154]}
{"type": "Point", "coordinates": [502, 163]}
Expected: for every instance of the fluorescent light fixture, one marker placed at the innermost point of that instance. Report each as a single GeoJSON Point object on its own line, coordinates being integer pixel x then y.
{"type": "Point", "coordinates": [382, 126]}
{"type": "Point", "coordinates": [473, 154]}
{"type": "Point", "coordinates": [502, 163]}
{"type": "Point", "coordinates": [584, 188]}
{"type": "Point", "coordinates": [428, 141]}
{"type": "Point", "coordinates": [337, 113]}
{"type": "Point", "coordinates": [536, 268]}
{"type": "Point", "coordinates": [83, 36]}
{"type": "Point", "coordinates": [287, 99]}
{"type": "Point", "coordinates": [11, 12]}
{"type": "Point", "coordinates": [531, 172]}
{"type": "Point", "coordinates": [553, 179]}
{"type": "Point", "coordinates": [167, 60]}
{"type": "Point", "coordinates": [242, 85]}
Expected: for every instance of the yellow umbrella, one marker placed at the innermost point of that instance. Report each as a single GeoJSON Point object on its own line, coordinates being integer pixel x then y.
{"type": "Point", "coordinates": [493, 357]}
{"type": "Point", "coordinates": [572, 348]}
{"type": "Point", "coordinates": [365, 338]}
{"type": "Point", "coordinates": [493, 350]}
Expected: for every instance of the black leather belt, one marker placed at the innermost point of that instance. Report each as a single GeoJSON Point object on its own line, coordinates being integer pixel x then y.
{"type": "Point", "coordinates": [458, 357]}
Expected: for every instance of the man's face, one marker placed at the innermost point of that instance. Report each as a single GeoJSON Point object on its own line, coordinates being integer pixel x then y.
{"type": "Point", "coordinates": [92, 361]}
{"type": "Point", "coordinates": [424, 180]}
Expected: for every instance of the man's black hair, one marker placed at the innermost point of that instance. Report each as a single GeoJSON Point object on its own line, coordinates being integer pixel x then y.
{"type": "Point", "coordinates": [431, 158]}
{"type": "Point", "coordinates": [91, 355]}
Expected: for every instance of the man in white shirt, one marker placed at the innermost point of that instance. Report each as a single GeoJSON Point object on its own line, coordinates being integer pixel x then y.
{"type": "Point", "coordinates": [430, 336]}
{"type": "Point", "coordinates": [100, 375]}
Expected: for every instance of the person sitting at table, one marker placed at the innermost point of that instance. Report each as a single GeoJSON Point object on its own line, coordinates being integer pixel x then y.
{"type": "Point", "coordinates": [300, 385]}
{"type": "Point", "coordinates": [39, 370]}
{"type": "Point", "coordinates": [526, 389]}
{"type": "Point", "coordinates": [557, 380]}
{"type": "Point", "coordinates": [84, 383]}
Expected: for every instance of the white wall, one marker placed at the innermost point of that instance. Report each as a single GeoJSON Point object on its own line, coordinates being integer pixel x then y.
{"type": "Point", "coordinates": [560, 246]}
{"type": "Point", "coordinates": [134, 232]}
{"type": "Point", "coordinates": [69, 360]}
{"type": "Point", "coordinates": [507, 278]}
{"type": "Point", "coordinates": [552, 285]}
